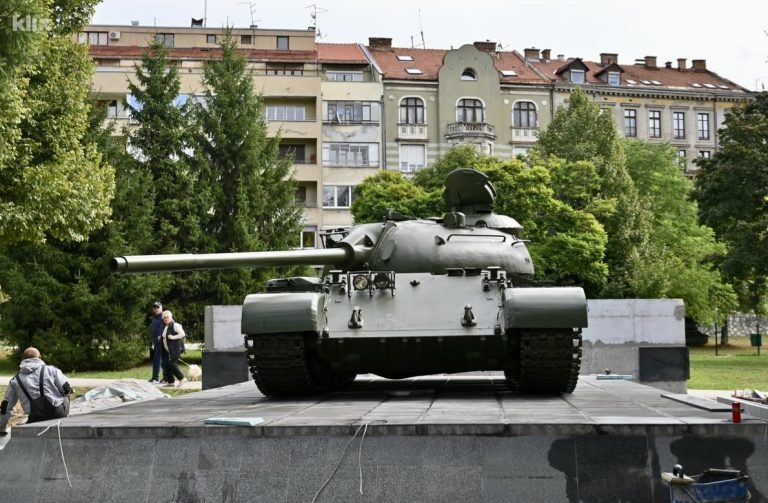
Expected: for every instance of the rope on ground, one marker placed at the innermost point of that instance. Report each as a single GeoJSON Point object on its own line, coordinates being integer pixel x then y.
{"type": "Point", "coordinates": [61, 448]}
{"type": "Point", "coordinates": [364, 427]}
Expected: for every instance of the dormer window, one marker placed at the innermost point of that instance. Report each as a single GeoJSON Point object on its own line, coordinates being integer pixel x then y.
{"type": "Point", "coordinates": [468, 74]}
{"type": "Point", "coordinates": [577, 76]}
{"type": "Point", "coordinates": [614, 78]}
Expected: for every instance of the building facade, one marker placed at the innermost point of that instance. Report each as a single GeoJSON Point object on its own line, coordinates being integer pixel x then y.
{"type": "Point", "coordinates": [345, 111]}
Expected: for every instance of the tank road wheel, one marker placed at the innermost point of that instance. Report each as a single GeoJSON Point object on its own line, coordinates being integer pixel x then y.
{"type": "Point", "coordinates": [278, 364]}
{"type": "Point", "coordinates": [550, 360]}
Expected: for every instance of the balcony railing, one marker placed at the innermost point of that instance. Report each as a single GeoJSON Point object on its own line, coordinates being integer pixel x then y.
{"type": "Point", "coordinates": [470, 129]}
{"type": "Point", "coordinates": [525, 133]}
{"type": "Point", "coordinates": [412, 131]}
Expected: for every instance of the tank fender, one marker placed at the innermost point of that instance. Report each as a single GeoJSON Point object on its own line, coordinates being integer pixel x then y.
{"type": "Point", "coordinates": [272, 313]}
{"type": "Point", "coordinates": [561, 307]}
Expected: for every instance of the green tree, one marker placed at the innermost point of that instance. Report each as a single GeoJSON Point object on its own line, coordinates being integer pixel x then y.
{"type": "Point", "coordinates": [158, 145]}
{"type": "Point", "coordinates": [64, 300]}
{"type": "Point", "coordinates": [248, 194]}
{"type": "Point", "coordinates": [580, 132]}
{"type": "Point", "coordinates": [683, 251]}
{"type": "Point", "coordinates": [52, 184]}
{"type": "Point", "coordinates": [732, 191]}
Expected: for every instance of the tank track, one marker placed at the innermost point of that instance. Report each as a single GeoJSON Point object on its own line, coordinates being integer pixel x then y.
{"type": "Point", "coordinates": [281, 365]}
{"type": "Point", "coordinates": [549, 362]}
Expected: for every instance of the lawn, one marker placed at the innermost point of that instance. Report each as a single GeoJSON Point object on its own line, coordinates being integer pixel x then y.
{"type": "Point", "coordinates": [737, 366]}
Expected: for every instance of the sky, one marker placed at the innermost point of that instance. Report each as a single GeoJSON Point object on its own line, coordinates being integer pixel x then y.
{"type": "Point", "coordinates": [731, 37]}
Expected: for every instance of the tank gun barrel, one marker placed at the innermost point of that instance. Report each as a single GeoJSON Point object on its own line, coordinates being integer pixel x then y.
{"type": "Point", "coordinates": [343, 256]}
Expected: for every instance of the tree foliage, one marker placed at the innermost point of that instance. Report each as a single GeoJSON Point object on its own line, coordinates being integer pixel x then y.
{"type": "Point", "coordinates": [51, 182]}
{"type": "Point", "coordinates": [683, 252]}
{"type": "Point", "coordinates": [581, 132]}
{"type": "Point", "coordinates": [248, 196]}
{"type": "Point", "coordinates": [732, 191]}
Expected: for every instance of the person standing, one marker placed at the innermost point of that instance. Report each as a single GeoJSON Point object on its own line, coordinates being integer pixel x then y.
{"type": "Point", "coordinates": [173, 341]}
{"type": "Point", "coordinates": [42, 389]}
{"type": "Point", "coordinates": [156, 333]}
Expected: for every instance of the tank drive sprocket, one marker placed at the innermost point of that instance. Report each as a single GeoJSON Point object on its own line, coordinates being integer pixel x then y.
{"type": "Point", "coordinates": [550, 360]}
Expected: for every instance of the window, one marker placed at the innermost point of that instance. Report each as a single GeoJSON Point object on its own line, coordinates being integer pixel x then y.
{"type": "Point", "coordinates": [470, 110]}
{"type": "Point", "coordinates": [92, 37]}
{"type": "Point", "coordinates": [164, 38]}
{"type": "Point", "coordinates": [678, 125]}
{"type": "Point", "coordinates": [630, 122]}
{"type": "Point", "coordinates": [344, 76]}
{"type": "Point", "coordinates": [337, 196]}
{"type": "Point", "coordinates": [614, 78]}
{"type": "Point", "coordinates": [246, 40]}
{"type": "Point", "coordinates": [301, 194]}
{"type": "Point", "coordinates": [351, 112]}
{"type": "Point", "coordinates": [705, 154]}
{"type": "Point", "coordinates": [577, 76]}
{"type": "Point", "coordinates": [111, 109]}
{"type": "Point", "coordinates": [412, 111]}
{"type": "Point", "coordinates": [412, 157]}
{"type": "Point", "coordinates": [282, 43]}
{"type": "Point", "coordinates": [286, 113]}
{"type": "Point", "coordinates": [520, 151]}
{"type": "Point", "coordinates": [524, 114]}
{"type": "Point", "coordinates": [351, 154]}
{"type": "Point", "coordinates": [413, 71]}
{"type": "Point", "coordinates": [682, 159]}
{"type": "Point", "coordinates": [468, 74]}
{"type": "Point", "coordinates": [703, 126]}
{"type": "Point", "coordinates": [210, 39]}
{"type": "Point", "coordinates": [295, 152]}
{"type": "Point", "coordinates": [308, 237]}
{"type": "Point", "coordinates": [285, 69]}
{"type": "Point", "coordinates": [654, 123]}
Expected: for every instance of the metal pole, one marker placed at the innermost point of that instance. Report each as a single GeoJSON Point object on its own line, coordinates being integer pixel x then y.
{"type": "Point", "coordinates": [715, 339]}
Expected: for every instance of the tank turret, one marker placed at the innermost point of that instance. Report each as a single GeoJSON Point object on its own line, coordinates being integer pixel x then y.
{"type": "Point", "coordinates": [405, 297]}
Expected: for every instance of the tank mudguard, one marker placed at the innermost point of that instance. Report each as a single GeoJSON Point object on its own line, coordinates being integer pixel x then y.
{"type": "Point", "coordinates": [274, 313]}
{"type": "Point", "coordinates": [563, 307]}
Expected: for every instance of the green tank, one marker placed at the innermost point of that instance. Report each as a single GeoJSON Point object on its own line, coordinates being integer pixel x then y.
{"type": "Point", "coordinates": [403, 298]}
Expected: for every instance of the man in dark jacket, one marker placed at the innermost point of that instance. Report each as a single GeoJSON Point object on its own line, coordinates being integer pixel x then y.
{"type": "Point", "coordinates": [26, 386]}
{"type": "Point", "coordinates": [156, 333]}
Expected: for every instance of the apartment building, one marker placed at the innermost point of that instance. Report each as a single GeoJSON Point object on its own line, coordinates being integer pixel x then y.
{"type": "Point", "coordinates": [679, 104]}
{"type": "Point", "coordinates": [323, 99]}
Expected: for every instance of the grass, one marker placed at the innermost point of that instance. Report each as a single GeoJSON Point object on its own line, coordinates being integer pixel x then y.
{"type": "Point", "coordinates": [737, 366]}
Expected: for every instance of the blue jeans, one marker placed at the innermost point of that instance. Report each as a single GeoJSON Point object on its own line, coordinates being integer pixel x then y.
{"type": "Point", "coordinates": [158, 362]}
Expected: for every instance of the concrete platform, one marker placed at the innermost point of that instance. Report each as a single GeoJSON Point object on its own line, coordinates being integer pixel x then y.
{"type": "Point", "coordinates": [438, 439]}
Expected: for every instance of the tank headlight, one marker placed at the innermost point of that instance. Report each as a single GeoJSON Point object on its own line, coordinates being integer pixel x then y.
{"type": "Point", "coordinates": [360, 282]}
{"type": "Point", "coordinates": [381, 281]}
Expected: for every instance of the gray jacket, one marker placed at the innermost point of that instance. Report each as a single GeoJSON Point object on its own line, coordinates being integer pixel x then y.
{"type": "Point", "coordinates": [29, 373]}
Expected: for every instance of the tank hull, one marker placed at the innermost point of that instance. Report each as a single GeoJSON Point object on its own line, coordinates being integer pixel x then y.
{"type": "Point", "coordinates": [469, 323]}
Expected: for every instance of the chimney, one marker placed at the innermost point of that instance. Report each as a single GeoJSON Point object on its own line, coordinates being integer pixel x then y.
{"type": "Point", "coordinates": [382, 44]}
{"type": "Point", "coordinates": [545, 54]}
{"type": "Point", "coordinates": [486, 46]}
{"type": "Point", "coordinates": [531, 53]}
{"type": "Point", "coordinates": [699, 65]}
{"type": "Point", "coordinates": [606, 58]}
{"type": "Point", "coordinates": [668, 64]}
{"type": "Point", "coordinates": [650, 62]}
{"type": "Point", "coordinates": [561, 57]}
{"type": "Point", "coordinates": [681, 64]}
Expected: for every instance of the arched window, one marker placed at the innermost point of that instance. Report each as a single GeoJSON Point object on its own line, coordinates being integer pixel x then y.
{"type": "Point", "coordinates": [411, 111]}
{"type": "Point", "coordinates": [524, 114]}
{"type": "Point", "coordinates": [468, 74]}
{"type": "Point", "coordinates": [470, 110]}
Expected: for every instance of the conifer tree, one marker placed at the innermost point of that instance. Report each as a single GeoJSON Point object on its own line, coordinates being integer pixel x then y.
{"type": "Point", "coordinates": [248, 193]}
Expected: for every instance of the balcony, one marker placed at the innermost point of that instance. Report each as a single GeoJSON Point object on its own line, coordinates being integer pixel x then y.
{"type": "Point", "coordinates": [525, 134]}
{"type": "Point", "coordinates": [467, 130]}
{"type": "Point", "coordinates": [411, 131]}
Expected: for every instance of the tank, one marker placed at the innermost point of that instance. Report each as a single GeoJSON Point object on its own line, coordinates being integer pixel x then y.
{"type": "Point", "coordinates": [406, 297]}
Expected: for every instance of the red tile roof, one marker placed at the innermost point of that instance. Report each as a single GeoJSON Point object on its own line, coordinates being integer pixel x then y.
{"type": "Point", "coordinates": [429, 62]}
{"type": "Point", "coordinates": [669, 78]}
{"type": "Point", "coordinates": [340, 53]}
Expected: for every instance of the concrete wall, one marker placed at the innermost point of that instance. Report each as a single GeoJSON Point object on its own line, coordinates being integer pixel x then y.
{"type": "Point", "coordinates": [644, 338]}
